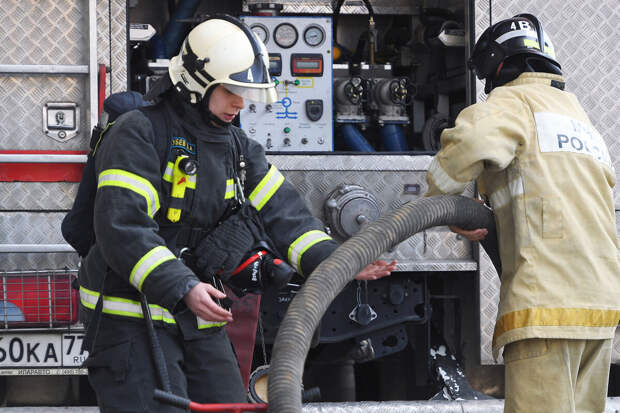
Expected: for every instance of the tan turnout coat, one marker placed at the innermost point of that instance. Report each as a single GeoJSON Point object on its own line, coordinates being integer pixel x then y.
{"type": "Point", "coordinates": [547, 173]}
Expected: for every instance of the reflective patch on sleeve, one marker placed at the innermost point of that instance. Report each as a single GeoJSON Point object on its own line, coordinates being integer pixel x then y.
{"type": "Point", "coordinates": [503, 196]}
{"type": "Point", "coordinates": [266, 188]}
{"type": "Point", "coordinates": [443, 181]}
{"type": "Point", "coordinates": [301, 245]}
{"type": "Point", "coordinates": [230, 189]}
{"type": "Point", "coordinates": [133, 182]}
{"type": "Point", "coordinates": [148, 263]}
{"type": "Point", "coordinates": [560, 133]}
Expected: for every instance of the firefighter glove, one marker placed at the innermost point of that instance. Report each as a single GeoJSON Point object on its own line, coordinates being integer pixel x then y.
{"type": "Point", "coordinates": [222, 250]}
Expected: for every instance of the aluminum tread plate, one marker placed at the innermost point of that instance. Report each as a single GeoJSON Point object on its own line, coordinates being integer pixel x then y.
{"type": "Point", "coordinates": [112, 35]}
{"type": "Point", "coordinates": [315, 177]}
{"type": "Point", "coordinates": [37, 196]}
{"type": "Point", "coordinates": [33, 228]}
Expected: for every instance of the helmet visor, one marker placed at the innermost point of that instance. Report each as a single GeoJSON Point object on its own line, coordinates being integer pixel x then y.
{"type": "Point", "coordinates": [255, 94]}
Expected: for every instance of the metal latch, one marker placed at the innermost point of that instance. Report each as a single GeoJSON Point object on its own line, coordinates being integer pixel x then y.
{"type": "Point", "coordinates": [61, 120]}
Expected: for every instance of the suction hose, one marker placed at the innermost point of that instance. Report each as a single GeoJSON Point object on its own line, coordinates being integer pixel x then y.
{"type": "Point", "coordinates": [332, 275]}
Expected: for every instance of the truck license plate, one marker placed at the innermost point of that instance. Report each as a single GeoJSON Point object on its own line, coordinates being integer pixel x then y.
{"type": "Point", "coordinates": [41, 350]}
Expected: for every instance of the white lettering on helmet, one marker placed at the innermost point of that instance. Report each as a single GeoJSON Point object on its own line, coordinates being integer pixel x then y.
{"type": "Point", "coordinates": [250, 77]}
{"type": "Point", "coordinates": [524, 25]}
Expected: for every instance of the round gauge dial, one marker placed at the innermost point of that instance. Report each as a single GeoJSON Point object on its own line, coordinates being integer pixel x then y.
{"type": "Point", "coordinates": [261, 32]}
{"type": "Point", "coordinates": [285, 35]}
{"type": "Point", "coordinates": [314, 36]}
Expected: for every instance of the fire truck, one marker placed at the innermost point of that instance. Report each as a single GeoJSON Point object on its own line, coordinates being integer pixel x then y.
{"type": "Point", "coordinates": [365, 89]}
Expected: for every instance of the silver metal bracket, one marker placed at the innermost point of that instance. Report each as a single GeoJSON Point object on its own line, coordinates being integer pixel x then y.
{"type": "Point", "coordinates": [61, 120]}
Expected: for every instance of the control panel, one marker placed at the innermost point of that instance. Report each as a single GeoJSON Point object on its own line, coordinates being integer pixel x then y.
{"type": "Point", "coordinates": [300, 62]}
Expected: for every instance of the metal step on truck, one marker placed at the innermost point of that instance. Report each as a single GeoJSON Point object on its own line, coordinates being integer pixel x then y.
{"type": "Point", "coordinates": [365, 89]}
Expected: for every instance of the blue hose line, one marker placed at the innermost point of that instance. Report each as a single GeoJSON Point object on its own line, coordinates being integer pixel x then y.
{"type": "Point", "coordinates": [393, 138]}
{"type": "Point", "coordinates": [175, 31]}
{"type": "Point", "coordinates": [354, 139]}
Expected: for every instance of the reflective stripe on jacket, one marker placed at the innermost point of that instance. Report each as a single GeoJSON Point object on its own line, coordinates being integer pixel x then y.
{"type": "Point", "coordinates": [547, 174]}
{"type": "Point", "coordinates": [131, 308]}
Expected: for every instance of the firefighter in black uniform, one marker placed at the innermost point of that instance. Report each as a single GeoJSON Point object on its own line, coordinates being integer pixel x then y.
{"type": "Point", "coordinates": [211, 196]}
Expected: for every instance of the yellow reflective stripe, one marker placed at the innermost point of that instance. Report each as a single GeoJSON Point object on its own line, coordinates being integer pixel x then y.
{"type": "Point", "coordinates": [556, 317]}
{"type": "Point", "coordinates": [301, 244]}
{"type": "Point", "coordinates": [230, 189]}
{"type": "Point", "coordinates": [531, 43]}
{"type": "Point", "coordinates": [148, 263]}
{"type": "Point", "coordinates": [443, 181]}
{"type": "Point", "coordinates": [123, 306]}
{"type": "Point", "coordinates": [133, 182]}
{"type": "Point", "coordinates": [266, 188]}
{"type": "Point", "coordinates": [502, 196]}
{"type": "Point", "coordinates": [191, 179]}
{"type": "Point", "coordinates": [202, 324]}
{"type": "Point", "coordinates": [168, 172]}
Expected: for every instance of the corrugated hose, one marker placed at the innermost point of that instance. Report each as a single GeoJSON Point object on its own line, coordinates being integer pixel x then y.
{"type": "Point", "coordinates": [332, 275]}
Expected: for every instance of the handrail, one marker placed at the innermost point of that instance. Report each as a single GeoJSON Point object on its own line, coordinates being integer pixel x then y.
{"type": "Point", "coordinates": [42, 158]}
{"type": "Point", "coordinates": [35, 248]}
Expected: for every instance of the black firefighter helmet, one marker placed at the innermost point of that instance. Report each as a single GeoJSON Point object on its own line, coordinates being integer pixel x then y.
{"type": "Point", "coordinates": [520, 35]}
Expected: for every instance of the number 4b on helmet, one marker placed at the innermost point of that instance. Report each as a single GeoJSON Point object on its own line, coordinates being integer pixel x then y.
{"type": "Point", "coordinates": [520, 35]}
{"type": "Point", "coordinates": [223, 51]}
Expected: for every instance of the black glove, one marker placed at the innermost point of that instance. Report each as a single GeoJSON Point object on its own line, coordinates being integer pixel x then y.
{"type": "Point", "coordinates": [220, 252]}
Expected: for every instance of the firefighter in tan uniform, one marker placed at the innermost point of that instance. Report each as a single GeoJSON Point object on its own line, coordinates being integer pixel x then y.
{"type": "Point", "coordinates": [547, 174]}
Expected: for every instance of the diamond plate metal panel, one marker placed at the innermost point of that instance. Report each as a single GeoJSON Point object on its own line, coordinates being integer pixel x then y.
{"type": "Point", "coordinates": [43, 32]}
{"type": "Point", "coordinates": [37, 196]}
{"type": "Point", "coordinates": [21, 107]}
{"type": "Point", "coordinates": [35, 33]}
{"type": "Point", "coordinates": [489, 298]}
{"type": "Point", "coordinates": [33, 228]}
{"type": "Point", "coordinates": [112, 42]}
{"type": "Point", "coordinates": [585, 38]}
{"type": "Point", "coordinates": [315, 177]}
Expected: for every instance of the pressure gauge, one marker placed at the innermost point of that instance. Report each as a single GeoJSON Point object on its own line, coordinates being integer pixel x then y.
{"type": "Point", "coordinates": [261, 32]}
{"type": "Point", "coordinates": [285, 35]}
{"type": "Point", "coordinates": [314, 35]}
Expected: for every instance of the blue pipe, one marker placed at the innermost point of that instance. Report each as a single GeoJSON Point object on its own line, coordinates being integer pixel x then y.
{"type": "Point", "coordinates": [354, 139]}
{"type": "Point", "coordinates": [393, 138]}
{"type": "Point", "coordinates": [175, 30]}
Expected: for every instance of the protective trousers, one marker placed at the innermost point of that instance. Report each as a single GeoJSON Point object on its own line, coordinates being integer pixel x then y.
{"type": "Point", "coordinates": [557, 375]}
{"type": "Point", "coordinates": [121, 370]}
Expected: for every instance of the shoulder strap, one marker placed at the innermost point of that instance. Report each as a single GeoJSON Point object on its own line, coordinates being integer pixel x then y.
{"type": "Point", "coordinates": [239, 159]}
{"type": "Point", "coordinates": [158, 115]}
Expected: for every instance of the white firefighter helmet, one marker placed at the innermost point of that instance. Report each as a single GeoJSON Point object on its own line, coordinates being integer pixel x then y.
{"type": "Point", "coordinates": [223, 51]}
